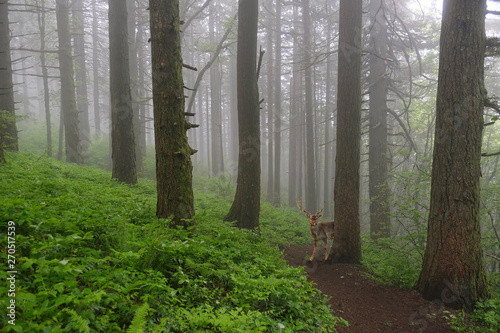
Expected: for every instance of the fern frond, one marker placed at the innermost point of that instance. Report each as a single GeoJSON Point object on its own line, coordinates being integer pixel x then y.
{"type": "Point", "coordinates": [139, 319]}
{"type": "Point", "coordinates": [81, 324]}
{"type": "Point", "coordinates": [161, 327]}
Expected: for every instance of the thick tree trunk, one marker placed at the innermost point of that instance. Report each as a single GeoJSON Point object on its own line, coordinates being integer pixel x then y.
{"type": "Point", "coordinates": [173, 153]}
{"type": "Point", "coordinates": [378, 177]}
{"type": "Point", "coordinates": [347, 245]}
{"type": "Point", "coordinates": [7, 109]}
{"type": "Point", "coordinates": [122, 125]}
{"type": "Point", "coordinates": [246, 205]}
{"type": "Point", "coordinates": [68, 96]}
{"type": "Point", "coordinates": [453, 272]}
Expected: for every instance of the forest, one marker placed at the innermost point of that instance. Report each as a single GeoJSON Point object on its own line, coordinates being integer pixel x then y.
{"type": "Point", "coordinates": [250, 166]}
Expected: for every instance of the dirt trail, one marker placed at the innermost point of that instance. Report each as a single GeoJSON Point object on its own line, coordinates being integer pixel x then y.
{"type": "Point", "coordinates": [365, 304]}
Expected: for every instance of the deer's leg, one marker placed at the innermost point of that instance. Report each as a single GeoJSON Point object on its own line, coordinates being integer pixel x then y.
{"type": "Point", "coordinates": [314, 250]}
{"type": "Point", "coordinates": [325, 245]}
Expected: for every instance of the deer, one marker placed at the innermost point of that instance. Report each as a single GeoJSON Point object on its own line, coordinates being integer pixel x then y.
{"type": "Point", "coordinates": [320, 231]}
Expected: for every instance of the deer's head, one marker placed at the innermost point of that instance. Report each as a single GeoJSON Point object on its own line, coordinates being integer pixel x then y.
{"type": "Point", "coordinates": [313, 218]}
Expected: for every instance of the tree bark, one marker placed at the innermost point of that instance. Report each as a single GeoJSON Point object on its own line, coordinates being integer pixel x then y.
{"type": "Point", "coordinates": [81, 74]}
{"type": "Point", "coordinates": [311, 195]}
{"type": "Point", "coordinates": [7, 109]}
{"type": "Point", "coordinates": [68, 96]}
{"type": "Point", "coordinates": [453, 271]}
{"type": "Point", "coordinates": [270, 101]}
{"type": "Point", "coordinates": [347, 245]}
{"type": "Point", "coordinates": [95, 70]}
{"type": "Point", "coordinates": [173, 153]}
{"type": "Point", "coordinates": [246, 205]}
{"type": "Point", "coordinates": [215, 102]}
{"type": "Point", "coordinates": [134, 84]}
{"type": "Point", "coordinates": [277, 110]}
{"type": "Point", "coordinates": [45, 74]}
{"type": "Point", "coordinates": [378, 84]}
{"type": "Point", "coordinates": [122, 130]}
{"type": "Point", "coordinates": [329, 106]}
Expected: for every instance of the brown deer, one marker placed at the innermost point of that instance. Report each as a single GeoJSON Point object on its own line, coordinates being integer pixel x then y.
{"type": "Point", "coordinates": [320, 231]}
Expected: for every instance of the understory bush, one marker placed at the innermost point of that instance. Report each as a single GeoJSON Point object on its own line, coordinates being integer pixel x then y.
{"type": "Point", "coordinates": [91, 256]}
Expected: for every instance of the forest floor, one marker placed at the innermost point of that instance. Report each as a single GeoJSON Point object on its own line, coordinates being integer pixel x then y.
{"type": "Point", "coordinates": [367, 305]}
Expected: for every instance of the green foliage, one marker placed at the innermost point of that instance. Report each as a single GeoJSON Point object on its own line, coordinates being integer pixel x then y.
{"type": "Point", "coordinates": [484, 319]}
{"type": "Point", "coordinates": [392, 261]}
{"type": "Point", "coordinates": [91, 256]}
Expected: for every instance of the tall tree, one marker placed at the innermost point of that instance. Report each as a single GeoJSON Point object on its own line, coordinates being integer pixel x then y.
{"type": "Point", "coordinates": [7, 109]}
{"type": "Point", "coordinates": [122, 124]}
{"type": "Point", "coordinates": [95, 69]}
{"type": "Point", "coordinates": [173, 153]}
{"type": "Point", "coordinates": [347, 245]}
{"type": "Point", "coordinates": [69, 114]}
{"type": "Point", "coordinates": [453, 270]}
{"type": "Point", "coordinates": [378, 87]}
{"type": "Point", "coordinates": [246, 205]}
{"type": "Point", "coordinates": [294, 176]}
{"type": "Point", "coordinates": [134, 83]}
{"type": "Point", "coordinates": [215, 99]}
{"type": "Point", "coordinates": [277, 109]}
{"type": "Point", "coordinates": [311, 195]}
{"type": "Point", "coordinates": [82, 102]}
{"type": "Point", "coordinates": [270, 101]}
{"type": "Point", "coordinates": [45, 74]}
{"type": "Point", "coordinates": [329, 106]}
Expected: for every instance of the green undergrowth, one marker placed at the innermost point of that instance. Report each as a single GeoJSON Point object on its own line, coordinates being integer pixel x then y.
{"type": "Point", "coordinates": [396, 262]}
{"type": "Point", "coordinates": [91, 256]}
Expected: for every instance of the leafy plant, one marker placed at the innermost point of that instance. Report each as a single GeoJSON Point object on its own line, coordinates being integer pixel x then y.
{"type": "Point", "coordinates": [91, 256]}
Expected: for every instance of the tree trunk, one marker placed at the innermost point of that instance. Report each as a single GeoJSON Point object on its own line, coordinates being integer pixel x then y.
{"type": "Point", "coordinates": [7, 109]}
{"type": "Point", "coordinates": [95, 69]}
{"type": "Point", "coordinates": [270, 100]}
{"type": "Point", "coordinates": [45, 74]}
{"type": "Point", "coordinates": [81, 74]}
{"type": "Point", "coordinates": [234, 117]}
{"type": "Point", "coordinates": [329, 171]}
{"type": "Point", "coordinates": [294, 176]}
{"type": "Point", "coordinates": [68, 96]}
{"type": "Point", "coordinates": [246, 205]}
{"type": "Point", "coordinates": [378, 177]}
{"type": "Point", "coordinates": [140, 135]}
{"type": "Point", "coordinates": [122, 131]}
{"type": "Point", "coordinates": [277, 110]}
{"type": "Point", "coordinates": [347, 245]}
{"type": "Point", "coordinates": [311, 195]}
{"type": "Point", "coordinates": [453, 272]}
{"type": "Point", "coordinates": [215, 102]}
{"type": "Point", "coordinates": [134, 84]}
{"type": "Point", "coordinates": [173, 153]}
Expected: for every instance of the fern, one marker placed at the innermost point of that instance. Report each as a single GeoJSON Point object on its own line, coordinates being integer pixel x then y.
{"type": "Point", "coordinates": [81, 323]}
{"type": "Point", "coordinates": [139, 319]}
{"type": "Point", "coordinates": [161, 327]}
